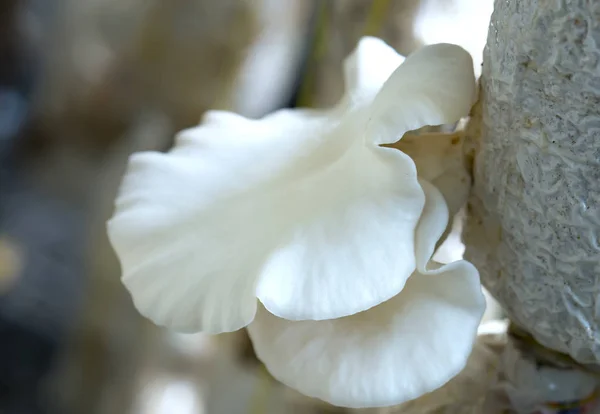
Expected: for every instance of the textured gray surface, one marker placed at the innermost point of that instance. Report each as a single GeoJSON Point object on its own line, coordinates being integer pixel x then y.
{"type": "Point", "coordinates": [534, 219]}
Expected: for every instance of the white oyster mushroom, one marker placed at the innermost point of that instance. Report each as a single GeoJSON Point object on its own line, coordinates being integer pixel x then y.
{"type": "Point", "coordinates": [306, 211]}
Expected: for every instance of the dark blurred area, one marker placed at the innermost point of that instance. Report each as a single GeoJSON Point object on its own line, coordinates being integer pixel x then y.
{"type": "Point", "coordinates": [83, 84]}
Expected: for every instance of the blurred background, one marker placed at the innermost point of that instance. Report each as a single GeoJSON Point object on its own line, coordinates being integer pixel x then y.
{"type": "Point", "coordinates": [84, 83]}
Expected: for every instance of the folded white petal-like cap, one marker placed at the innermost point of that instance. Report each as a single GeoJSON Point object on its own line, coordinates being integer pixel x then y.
{"type": "Point", "coordinates": [394, 352]}
{"type": "Point", "coordinates": [305, 211]}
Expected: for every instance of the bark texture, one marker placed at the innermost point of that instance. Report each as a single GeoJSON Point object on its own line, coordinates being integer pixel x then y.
{"type": "Point", "coordinates": [533, 226]}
